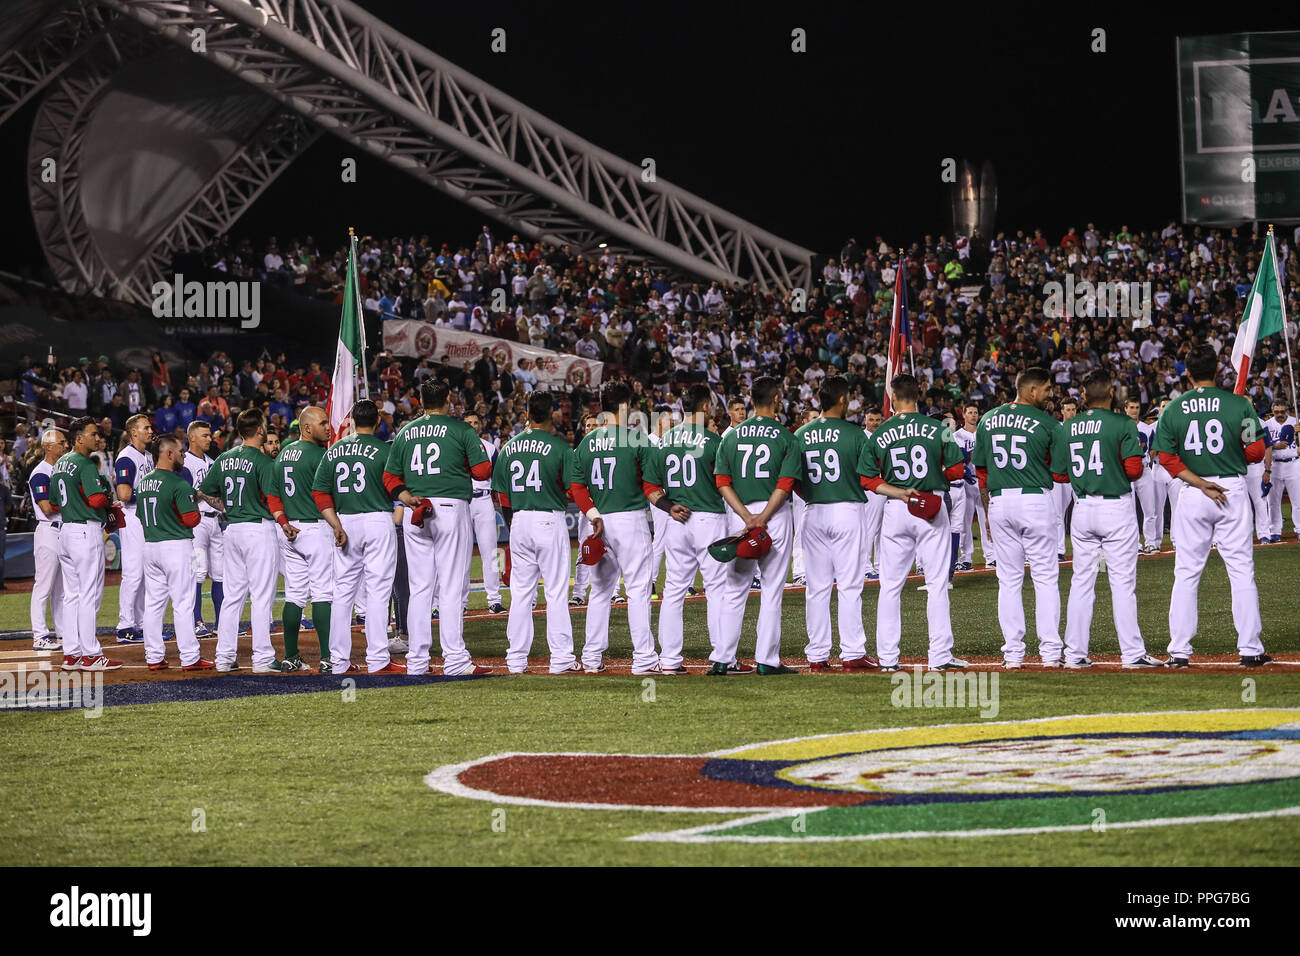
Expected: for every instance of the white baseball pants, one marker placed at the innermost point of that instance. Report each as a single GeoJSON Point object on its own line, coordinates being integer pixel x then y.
{"type": "Point", "coordinates": [659, 543]}
{"type": "Point", "coordinates": [81, 565]}
{"type": "Point", "coordinates": [797, 566]}
{"type": "Point", "coordinates": [539, 549]}
{"type": "Point", "coordinates": [363, 571]}
{"type": "Point", "coordinates": [834, 552]}
{"type": "Point", "coordinates": [130, 594]}
{"type": "Point", "coordinates": [483, 516]}
{"type": "Point", "coordinates": [48, 586]}
{"type": "Point", "coordinates": [627, 552]}
{"type": "Point", "coordinates": [907, 538]}
{"type": "Point", "coordinates": [1199, 523]}
{"type": "Point", "coordinates": [687, 552]}
{"type": "Point", "coordinates": [772, 569]}
{"type": "Point", "coordinates": [873, 515]}
{"type": "Point", "coordinates": [308, 562]}
{"type": "Point", "coordinates": [1064, 499]}
{"type": "Point", "coordinates": [437, 563]}
{"type": "Point", "coordinates": [581, 572]}
{"type": "Point", "coordinates": [208, 548]}
{"type": "Point", "coordinates": [1286, 478]}
{"type": "Point", "coordinates": [169, 576]}
{"type": "Point", "coordinates": [1025, 530]}
{"type": "Point", "coordinates": [250, 573]}
{"type": "Point", "coordinates": [1104, 526]}
{"type": "Point", "coordinates": [974, 512]}
{"type": "Point", "coordinates": [1144, 489]}
{"type": "Point", "coordinates": [1259, 503]}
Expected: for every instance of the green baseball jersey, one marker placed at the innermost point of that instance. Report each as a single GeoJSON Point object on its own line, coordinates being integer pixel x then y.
{"type": "Point", "coordinates": [611, 461]}
{"type": "Point", "coordinates": [532, 469]}
{"type": "Point", "coordinates": [831, 449]}
{"type": "Point", "coordinates": [242, 478]}
{"type": "Point", "coordinates": [433, 455]}
{"type": "Point", "coordinates": [1016, 443]}
{"type": "Point", "coordinates": [683, 465]}
{"type": "Point", "coordinates": [161, 498]}
{"type": "Point", "coordinates": [73, 480]}
{"type": "Point", "coordinates": [295, 472]}
{"type": "Point", "coordinates": [1208, 429]}
{"type": "Point", "coordinates": [756, 454]}
{"type": "Point", "coordinates": [1093, 447]}
{"type": "Point", "coordinates": [353, 472]}
{"type": "Point", "coordinates": [910, 450]}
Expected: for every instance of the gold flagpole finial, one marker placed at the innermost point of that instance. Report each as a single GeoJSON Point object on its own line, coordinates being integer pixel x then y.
{"type": "Point", "coordinates": [352, 232]}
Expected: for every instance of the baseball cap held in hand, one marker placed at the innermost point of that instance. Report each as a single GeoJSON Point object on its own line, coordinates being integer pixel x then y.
{"type": "Point", "coordinates": [923, 504]}
{"type": "Point", "coordinates": [745, 545]}
{"type": "Point", "coordinates": [593, 549]}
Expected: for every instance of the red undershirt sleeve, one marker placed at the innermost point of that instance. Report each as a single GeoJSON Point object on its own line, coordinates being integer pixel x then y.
{"type": "Point", "coordinates": [190, 519]}
{"type": "Point", "coordinates": [722, 481]}
{"type": "Point", "coordinates": [955, 472]}
{"type": "Point", "coordinates": [482, 471]}
{"type": "Point", "coordinates": [982, 474]}
{"type": "Point", "coordinates": [1255, 451]}
{"type": "Point", "coordinates": [391, 482]}
{"type": "Point", "coordinates": [872, 484]}
{"type": "Point", "coordinates": [785, 484]}
{"type": "Point", "coordinates": [98, 500]}
{"type": "Point", "coordinates": [275, 503]}
{"type": "Point", "coordinates": [1172, 464]}
{"type": "Point", "coordinates": [581, 497]}
{"type": "Point", "coordinates": [1133, 467]}
{"type": "Point", "coordinates": [649, 487]}
{"type": "Point", "coordinates": [323, 500]}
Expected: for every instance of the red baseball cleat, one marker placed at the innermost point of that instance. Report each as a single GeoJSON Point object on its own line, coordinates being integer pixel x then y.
{"type": "Point", "coordinates": [161, 665]}
{"type": "Point", "coordinates": [819, 667]}
{"type": "Point", "coordinates": [99, 663]}
{"type": "Point", "coordinates": [392, 667]}
{"type": "Point", "coordinates": [71, 662]}
{"type": "Point", "coordinates": [352, 669]}
{"type": "Point", "coordinates": [199, 665]}
{"type": "Point", "coordinates": [860, 664]}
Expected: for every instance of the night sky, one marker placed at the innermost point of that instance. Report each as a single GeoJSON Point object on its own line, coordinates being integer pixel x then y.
{"type": "Point", "coordinates": [846, 139]}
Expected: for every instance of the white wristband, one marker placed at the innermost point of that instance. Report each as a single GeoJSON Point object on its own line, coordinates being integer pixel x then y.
{"type": "Point", "coordinates": [593, 513]}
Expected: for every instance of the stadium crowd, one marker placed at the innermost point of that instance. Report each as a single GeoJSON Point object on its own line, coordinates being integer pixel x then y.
{"type": "Point", "coordinates": [981, 311]}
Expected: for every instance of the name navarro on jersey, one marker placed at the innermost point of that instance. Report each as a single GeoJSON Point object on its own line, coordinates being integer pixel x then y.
{"type": "Point", "coordinates": [909, 429]}
{"type": "Point", "coordinates": [528, 446]}
{"type": "Point", "coordinates": [354, 448]}
{"type": "Point", "coordinates": [1011, 420]}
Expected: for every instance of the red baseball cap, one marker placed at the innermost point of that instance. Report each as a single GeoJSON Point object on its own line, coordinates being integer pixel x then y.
{"type": "Point", "coordinates": [593, 549]}
{"type": "Point", "coordinates": [923, 504]}
{"type": "Point", "coordinates": [755, 544]}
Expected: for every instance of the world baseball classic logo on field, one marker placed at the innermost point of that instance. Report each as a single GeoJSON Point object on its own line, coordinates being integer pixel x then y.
{"type": "Point", "coordinates": [578, 374]}
{"type": "Point", "coordinates": [1053, 774]}
{"type": "Point", "coordinates": [426, 340]}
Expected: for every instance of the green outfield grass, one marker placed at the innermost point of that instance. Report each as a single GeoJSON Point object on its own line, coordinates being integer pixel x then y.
{"type": "Point", "coordinates": [312, 779]}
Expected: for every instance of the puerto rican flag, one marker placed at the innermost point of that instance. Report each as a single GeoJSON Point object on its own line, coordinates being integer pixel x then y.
{"type": "Point", "coordinates": [900, 339]}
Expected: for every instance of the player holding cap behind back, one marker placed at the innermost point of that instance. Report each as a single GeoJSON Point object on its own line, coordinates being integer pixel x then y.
{"type": "Point", "coordinates": [1205, 438]}
{"type": "Point", "coordinates": [349, 491]}
{"type": "Point", "coordinates": [1104, 455]}
{"type": "Point", "coordinates": [1014, 445]}
{"type": "Point", "coordinates": [606, 477]}
{"type": "Point", "coordinates": [911, 459]}
{"type": "Point", "coordinates": [530, 479]}
{"type": "Point", "coordinates": [834, 534]}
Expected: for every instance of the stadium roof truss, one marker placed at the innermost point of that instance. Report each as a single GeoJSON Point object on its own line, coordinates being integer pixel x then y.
{"type": "Point", "coordinates": [334, 66]}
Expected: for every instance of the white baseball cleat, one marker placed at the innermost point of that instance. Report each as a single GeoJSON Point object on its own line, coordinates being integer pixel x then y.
{"type": "Point", "coordinates": [1012, 665]}
{"type": "Point", "coordinates": [50, 643]}
{"type": "Point", "coordinates": [1142, 663]}
{"type": "Point", "coordinates": [1078, 665]}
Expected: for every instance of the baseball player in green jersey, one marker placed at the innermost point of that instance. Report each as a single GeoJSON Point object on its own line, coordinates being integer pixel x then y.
{"type": "Point", "coordinates": [431, 468]}
{"type": "Point", "coordinates": [238, 483]}
{"type": "Point", "coordinates": [306, 542]}
{"type": "Point", "coordinates": [349, 492]}
{"type": "Point", "coordinates": [682, 465]}
{"type": "Point", "coordinates": [757, 465]}
{"type": "Point", "coordinates": [168, 510]}
{"type": "Point", "coordinates": [911, 453]}
{"type": "Point", "coordinates": [834, 532]}
{"type": "Point", "coordinates": [607, 479]}
{"type": "Point", "coordinates": [1103, 454]}
{"type": "Point", "coordinates": [1205, 438]}
{"type": "Point", "coordinates": [82, 496]}
{"type": "Point", "coordinates": [1014, 448]}
{"type": "Point", "coordinates": [530, 478]}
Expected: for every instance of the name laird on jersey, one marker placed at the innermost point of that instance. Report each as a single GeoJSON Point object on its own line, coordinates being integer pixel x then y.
{"type": "Point", "coordinates": [1009, 420]}
{"type": "Point", "coordinates": [355, 448]}
{"type": "Point", "coordinates": [909, 429]}
{"type": "Point", "coordinates": [291, 454]}
{"type": "Point", "coordinates": [815, 436]}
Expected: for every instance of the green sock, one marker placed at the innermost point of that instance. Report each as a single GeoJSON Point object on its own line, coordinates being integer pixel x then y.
{"type": "Point", "coordinates": [320, 616]}
{"type": "Point", "coordinates": [292, 622]}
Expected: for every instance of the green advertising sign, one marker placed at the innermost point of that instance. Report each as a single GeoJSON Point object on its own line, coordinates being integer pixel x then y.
{"type": "Point", "coordinates": [1239, 107]}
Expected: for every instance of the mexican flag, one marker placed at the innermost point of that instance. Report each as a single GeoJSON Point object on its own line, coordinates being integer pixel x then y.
{"type": "Point", "coordinates": [1262, 316]}
{"type": "Point", "coordinates": [349, 355]}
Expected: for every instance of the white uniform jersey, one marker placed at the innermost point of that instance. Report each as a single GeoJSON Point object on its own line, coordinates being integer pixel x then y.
{"type": "Point", "coordinates": [966, 441]}
{"type": "Point", "coordinates": [490, 450]}
{"type": "Point", "coordinates": [38, 488]}
{"type": "Point", "coordinates": [1146, 434]}
{"type": "Point", "coordinates": [194, 471]}
{"type": "Point", "coordinates": [130, 467]}
{"type": "Point", "coordinates": [1275, 435]}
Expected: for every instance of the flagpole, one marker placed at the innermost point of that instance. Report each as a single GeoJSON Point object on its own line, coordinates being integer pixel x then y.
{"type": "Point", "coordinates": [1281, 301]}
{"type": "Point", "coordinates": [361, 312]}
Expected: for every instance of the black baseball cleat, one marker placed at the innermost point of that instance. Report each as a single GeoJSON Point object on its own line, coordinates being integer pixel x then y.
{"type": "Point", "coordinates": [1179, 662]}
{"type": "Point", "coordinates": [1258, 660]}
{"type": "Point", "coordinates": [497, 608]}
{"type": "Point", "coordinates": [766, 669]}
{"type": "Point", "coordinates": [889, 668]}
{"type": "Point", "coordinates": [717, 670]}
{"type": "Point", "coordinates": [956, 664]}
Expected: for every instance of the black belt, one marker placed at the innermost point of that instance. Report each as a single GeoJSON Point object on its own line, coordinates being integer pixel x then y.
{"type": "Point", "coordinates": [1105, 497]}
{"type": "Point", "coordinates": [480, 494]}
{"type": "Point", "coordinates": [56, 524]}
{"type": "Point", "coordinates": [209, 514]}
{"type": "Point", "coordinates": [1281, 461]}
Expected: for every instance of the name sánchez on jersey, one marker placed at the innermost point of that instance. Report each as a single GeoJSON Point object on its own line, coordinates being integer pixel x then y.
{"type": "Point", "coordinates": [1010, 420]}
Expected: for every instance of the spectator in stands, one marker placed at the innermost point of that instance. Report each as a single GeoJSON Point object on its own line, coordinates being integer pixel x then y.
{"type": "Point", "coordinates": [105, 388]}
{"type": "Point", "coordinates": [186, 410]}
{"type": "Point", "coordinates": [75, 394]}
{"type": "Point", "coordinates": [160, 377]}
{"type": "Point", "coordinates": [214, 409]}
{"type": "Point", "coordinates": [525, 375]}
